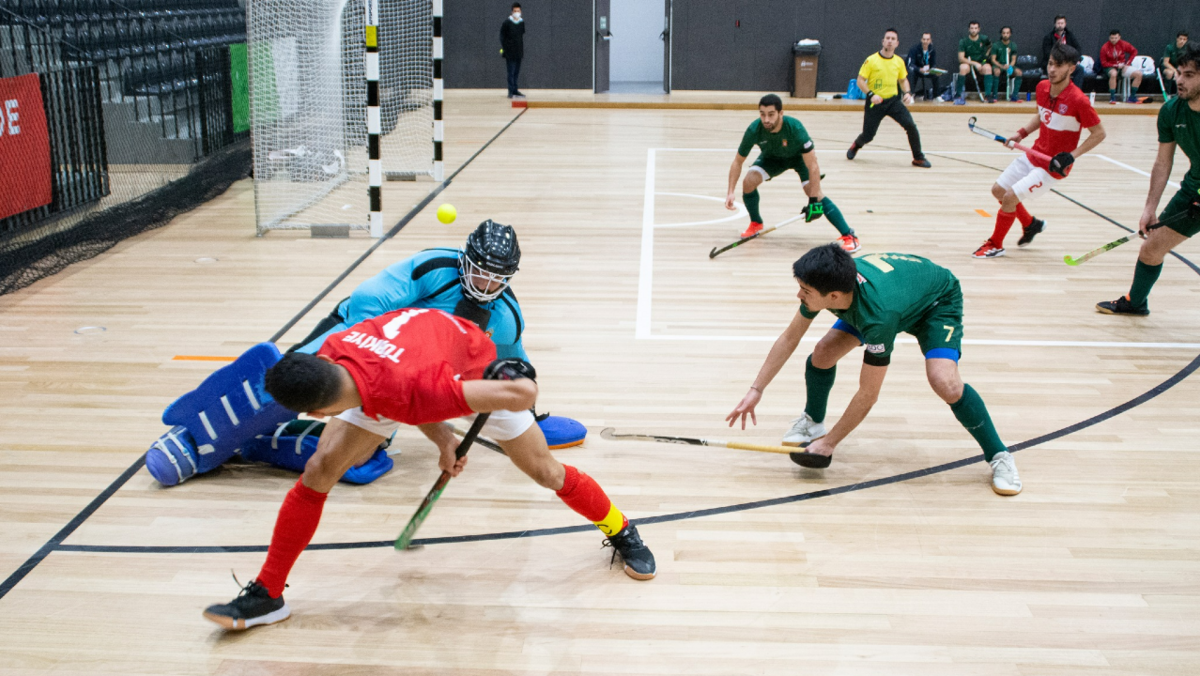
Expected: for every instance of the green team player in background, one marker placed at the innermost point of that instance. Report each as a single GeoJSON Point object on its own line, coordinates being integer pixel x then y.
{"type": "Point", "coordinates": [1003, 58]}
{"type": "Point", "coordinates": [875, 297]}
{"type": "Point", "coordinates": [784, 144]}
{"type": "Point", "coordinates": [1178, 125]}
{"type": "Point", "coordinates": [973, 53]}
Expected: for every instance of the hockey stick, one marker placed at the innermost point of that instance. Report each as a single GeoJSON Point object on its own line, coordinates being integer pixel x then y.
{"type": "Point", "coordinates": [1118, 242]}
{"type": "Point", "coordinates": [611, 434]}
{"type": "Point", "coordinates": [406, 535]}
{"type": "Point", "coordinates": [1011, 144]}
{"type": "Point", "coordinates": [717, 252]}
{"type": "Point", "coordinates": [978, 89]}
{"type": "Point", "coordinates": [1162, 85]}
{"type": "Point", "coordinates": [482, 441]}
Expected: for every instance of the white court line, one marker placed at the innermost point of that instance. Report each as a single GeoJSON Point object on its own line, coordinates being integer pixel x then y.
{"type": "Point", "coordinates": [966, 341]}
{"type": "Point", "coordinates": [1135, 170]}
{"type": "Point", "coordinates": [843, 152]}
{"type": "Point", "coordinates": [739, 212]}
{"type": "Point", "coordinates": [646, 274]}
{"type": "Point", "coordinates": [646, 270]}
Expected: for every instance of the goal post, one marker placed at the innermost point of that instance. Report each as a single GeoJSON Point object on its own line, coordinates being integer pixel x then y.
{"type": "Point", "coordinates": [343, 95]}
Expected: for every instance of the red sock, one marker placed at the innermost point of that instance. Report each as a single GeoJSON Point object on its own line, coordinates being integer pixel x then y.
{"type": "Point", "coordinates": [294, 528]}
{"type": "Point", "coordinates": [1004, 222]}
{"type": "Point", "coordinates": [1023, 215]}
{"type": "Point", "coordinates": [584, 495]}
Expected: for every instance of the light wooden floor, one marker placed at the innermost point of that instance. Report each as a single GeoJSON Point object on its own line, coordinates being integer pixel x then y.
{"type": "Point", "coordinates": [1094, 569]}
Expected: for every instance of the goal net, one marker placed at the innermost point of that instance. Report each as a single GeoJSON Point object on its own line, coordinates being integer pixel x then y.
{"type": "Point", "coordinates": [308, 102]}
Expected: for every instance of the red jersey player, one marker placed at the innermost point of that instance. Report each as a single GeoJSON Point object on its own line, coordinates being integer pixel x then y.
{"type": "Point", "coordinates": [420, 367]}
{"type": "Point", "coordinates": [1063, 112]}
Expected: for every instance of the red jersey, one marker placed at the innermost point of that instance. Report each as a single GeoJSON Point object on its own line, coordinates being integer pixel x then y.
{"type": "Point", "coordinates": [1120, 54]}
{"type": "Point", "coordinates": [1062, 120]}
{"type": "Point", "coordinates": [409, 364]}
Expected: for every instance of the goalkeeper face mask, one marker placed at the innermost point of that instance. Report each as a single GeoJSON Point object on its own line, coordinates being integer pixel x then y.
{"type": "Point", "coordinates": [480, 284]}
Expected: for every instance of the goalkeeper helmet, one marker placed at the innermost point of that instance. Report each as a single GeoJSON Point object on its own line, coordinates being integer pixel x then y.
{"type": "Point", "coordinates": [488, 261]}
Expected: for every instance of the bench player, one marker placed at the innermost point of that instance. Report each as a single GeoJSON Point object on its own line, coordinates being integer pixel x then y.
{"type": "Point", "coordinates": [783, 144]}
{"type": "Point", "coordinates": [876, 297]}
{"type": "Point", "coordinates": [1178, 125]}
{"type": "Point", "coordinates": [419, 367]}
{"type": "Point", "coordinates": [1063, 112]}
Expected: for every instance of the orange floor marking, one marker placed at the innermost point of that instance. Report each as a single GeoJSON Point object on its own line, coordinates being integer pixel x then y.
{"type": "Point", "coordinates": [194, 357]}
{"type": "Point", "coordinates": [983, 213]}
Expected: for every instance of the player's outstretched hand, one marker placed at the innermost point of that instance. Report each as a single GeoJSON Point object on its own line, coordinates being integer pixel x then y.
{"type": "Point", "coordinates": [448, 463]}
{"type": "Point", "coordinates": [745, 408]}
{"type": "Point", "coordinates": [729, 202]}
{"type": "Point", "coordinates": [820, 447]}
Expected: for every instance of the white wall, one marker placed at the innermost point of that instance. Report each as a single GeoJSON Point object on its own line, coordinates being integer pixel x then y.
{"type": "Point", "coordinates": [637, 52]}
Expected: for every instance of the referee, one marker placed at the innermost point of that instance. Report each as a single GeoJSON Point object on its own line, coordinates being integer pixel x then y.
{"type": "Point", "coordinates": [882, 75]}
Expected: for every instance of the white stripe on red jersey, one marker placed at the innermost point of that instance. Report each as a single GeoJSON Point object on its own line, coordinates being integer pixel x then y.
{"type": "Point", "coordinates": [1062, 120]}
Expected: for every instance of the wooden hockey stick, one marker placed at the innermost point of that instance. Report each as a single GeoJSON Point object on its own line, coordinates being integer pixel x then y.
{"type": "Point", "coordinates": [406, 536]}
{"type": "Point", "coordinates": [717, 252]}
{"type": "Point", "coordinates": [611, 434]}
{"type": "Point", "coordinates": [1011, 144]}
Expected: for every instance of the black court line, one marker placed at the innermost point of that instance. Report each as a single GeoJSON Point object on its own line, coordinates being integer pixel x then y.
{"type": "Point", "coordinates": [681, 516]}
{"type": "Point", "coordinates": [55, 543]}
{"type": "Point", "coordinates": [1167, 384]}
{"type": "Point", "coordinates": [1162, 387]}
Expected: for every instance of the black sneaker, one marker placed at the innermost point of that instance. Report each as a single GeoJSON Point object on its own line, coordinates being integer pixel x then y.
{"type": "Point", "coordinates": [639, 561]}
{"type": "Point", "coordinates": [252, 607]}
{"type": "Point", "coordinates": [1027, 234]}
{"type": "Point", "coordinates": [1122, 306]}
{"type": "Point", "coordinates": [921, 162]}
{"type": "Point", "coordinates": [852, 152]}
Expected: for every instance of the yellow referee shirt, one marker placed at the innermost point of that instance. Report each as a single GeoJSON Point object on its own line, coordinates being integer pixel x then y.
{"type": "Point", "coordinates": [883, 75]}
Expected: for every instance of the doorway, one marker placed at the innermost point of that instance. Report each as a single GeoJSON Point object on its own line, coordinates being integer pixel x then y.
{"type": "Point", "coordinates": [638, 46]}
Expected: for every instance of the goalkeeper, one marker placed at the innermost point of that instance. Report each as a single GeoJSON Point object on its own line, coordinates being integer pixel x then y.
{"type": "Point", "coordinates": [784, 144]}
{"type": "Point", "coordinates": [472, 283]}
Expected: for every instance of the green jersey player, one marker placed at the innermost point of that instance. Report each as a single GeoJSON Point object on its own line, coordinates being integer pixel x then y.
{"type": "Point", "coordinates": [783, 144]}
{"type": "Point", "coordinates": [875, 298]}
{"type": "Point", "coordinates": [1178, 125]}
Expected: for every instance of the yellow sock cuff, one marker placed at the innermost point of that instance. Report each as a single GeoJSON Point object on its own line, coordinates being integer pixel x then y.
{"type": "Point", "coordinates": [613, 523]}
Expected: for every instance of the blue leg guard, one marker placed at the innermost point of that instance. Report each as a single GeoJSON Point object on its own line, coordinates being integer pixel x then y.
{"type": "Point", "coordinates": [228, 409]}
{"type": "Point", "coordinates": [295, 442]}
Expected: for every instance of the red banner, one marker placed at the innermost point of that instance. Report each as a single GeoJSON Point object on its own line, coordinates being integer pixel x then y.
{"type": "Point", "coordinates": [24, 146]}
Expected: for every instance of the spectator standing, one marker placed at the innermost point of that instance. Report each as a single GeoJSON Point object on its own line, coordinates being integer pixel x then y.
{"type": "Point", "coordinates": [1061, 36]}
{"type": "Point", "coordinates": [922, 58]}
{"type": "Point", "coordinates": [512, 47]}
{"type": "Point", "coordinates": [1004, 62]}
{"type": "Point", "coordinates": [1116, 58]}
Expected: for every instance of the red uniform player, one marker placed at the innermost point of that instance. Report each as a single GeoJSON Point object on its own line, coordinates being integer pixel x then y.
{"type": "Point", "coordinates": [420, 367]}
{"type": "Point", "coordinates": [1063, 112]}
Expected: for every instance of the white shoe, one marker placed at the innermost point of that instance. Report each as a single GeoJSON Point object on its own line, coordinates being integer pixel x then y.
{"type": "Point", "coordinates": [1005, 480]}
{"type": "Point", "coordinates": [804, 431]}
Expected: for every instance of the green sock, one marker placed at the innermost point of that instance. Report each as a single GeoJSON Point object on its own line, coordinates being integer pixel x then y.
{"type": "Point", "coordinates": [835, 217]}
{"type": "Point", "coordinates": [960, 86]}
{"type": "Point", "coordinates": [818, 383]}
{"type": "Point", "coordinates": [1016, 86]}
{"type": "Point", "coordinates": [989, 84]}
{"type": "Point", "coordinates": [973, 414]}
{"type": "Point", "coordinates": [1144, 277]}
{"type": "Point", "coordinates": [750, 199]}
{"type": "Point", "coordinates": [1112, 93]}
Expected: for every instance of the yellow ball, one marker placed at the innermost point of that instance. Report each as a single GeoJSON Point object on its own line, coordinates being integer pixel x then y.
{"type": "Point", "coordinates": [447, 213]}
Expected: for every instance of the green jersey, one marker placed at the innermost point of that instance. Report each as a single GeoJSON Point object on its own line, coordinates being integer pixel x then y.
{"type": "Point", "coordinates": [1179, 124]}
{"type": "Point", "coordinates": [975, 50]}
{"type": "Point", "coordinates": [1172, 52]}
{"type": "Point", "coordinates": [1004, 53]}
{"type": "Point", "coordinates": [788, 143]}
{"type": "Point", "coordinates": [901, 293]}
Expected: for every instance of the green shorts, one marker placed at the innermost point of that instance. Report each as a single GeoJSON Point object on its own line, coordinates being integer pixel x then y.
{"type": "Point", "coordinates": [1187, 226]}
{"type": "Point", "coordinates": [776, 166]}
{"type": "Point", "coordinates": [941, 328]}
